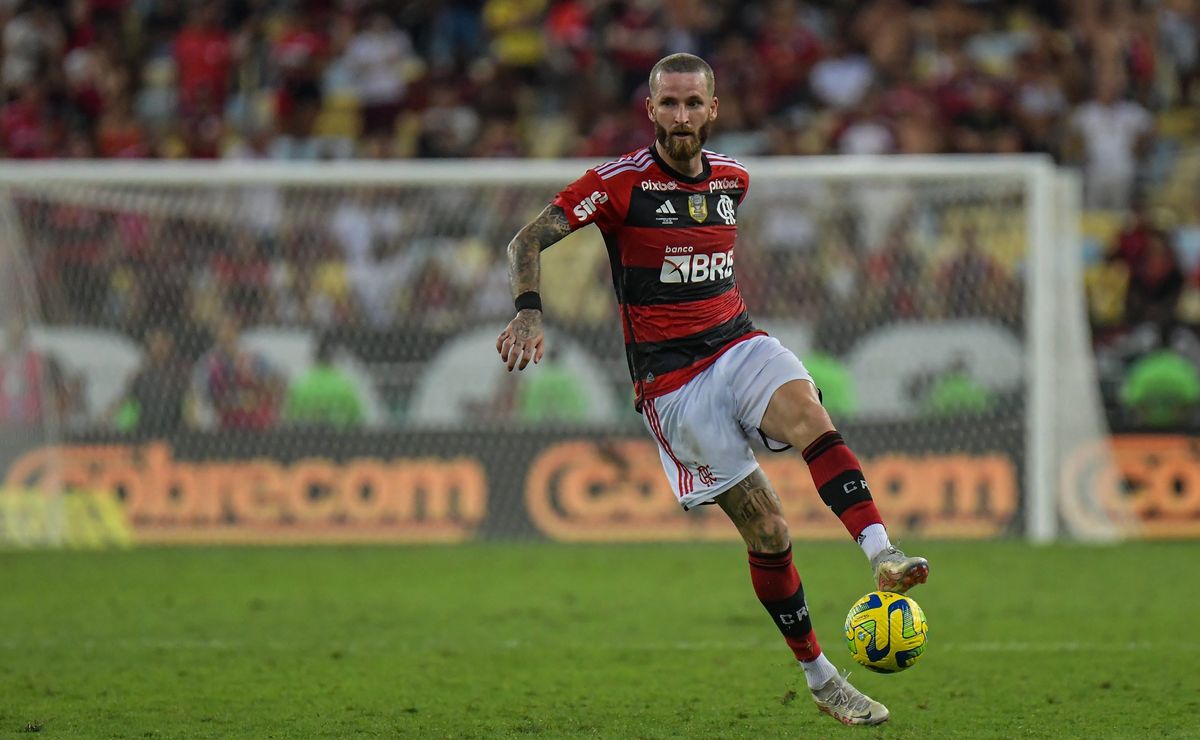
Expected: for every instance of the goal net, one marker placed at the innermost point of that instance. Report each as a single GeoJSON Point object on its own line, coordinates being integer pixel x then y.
{"type": "Point", "coordinates": [260, 352]}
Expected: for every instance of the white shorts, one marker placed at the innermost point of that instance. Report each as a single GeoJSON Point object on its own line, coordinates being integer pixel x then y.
{"type": "Point", "coordinates": [704, 429]}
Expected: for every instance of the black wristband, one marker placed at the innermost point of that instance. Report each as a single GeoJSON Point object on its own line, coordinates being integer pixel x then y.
{"type": "Point", "coordinates": [529, 299]}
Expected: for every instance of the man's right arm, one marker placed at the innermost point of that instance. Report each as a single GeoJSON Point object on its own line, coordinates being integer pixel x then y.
{"type": "Point", "coordinates": [524, 251]}
{"type": "Point", "coordinates": [523, 339]}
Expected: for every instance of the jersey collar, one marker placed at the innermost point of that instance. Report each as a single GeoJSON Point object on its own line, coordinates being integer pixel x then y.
{"type": "Point", "coordinates": [705, 172]}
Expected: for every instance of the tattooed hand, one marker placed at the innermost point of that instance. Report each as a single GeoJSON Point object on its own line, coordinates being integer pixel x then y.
{"type": "Point", "coordinates": [522, 340]}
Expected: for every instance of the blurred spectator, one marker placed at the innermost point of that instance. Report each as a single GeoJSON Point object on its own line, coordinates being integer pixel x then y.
{"type": "Point", "coordinates": [153, 402]}
{"type": "Point", "coordinates": [1179, 30]}
{"type": "Point", "coordinates": [28, 129]}
{"type": "Point", "coordinates": [788, 48]}
{"type": "Point", "coordinates": [456, 34]}
{"type": "Point", "coordinates": [203, 58]}
{"type": "Point", "coordinates": [33, 41]}
{"type": "Point", "coordinates": [1155, 284]}
{"type": "Point", "coordinates": [243, 274]}
{"type": "Point", "coordinates": [974, 284]}
{"type": "Point", "coordinates": [449, 125]}
{"type": "Point", "coordinates": [634, 41]}
{"type": "Point", "coordinates": [516, 30]}
{"type": "Point", "coordinates": [323, 396]}
{"type": "Point", "coordinates": [1039, 101]}
{"type": "Point", "coordinates": [842, 78]}
{"type": "Point", "coordinates": [1155, 278]}
{"type": "Point", "coordinates": [866, 130]}
{"type": "Point", "coordinates": [369, 230]}
{"type": "Point", "coordinates": [233, 387]}
{"type": "Point", "coordinates": [119, 135]}
{"type": "Point", "coordinates": [1113, 133]}
{"type": "Point", "coordinates": [894, 273]}
{"type": "Point", "coordinates": [377, 58]}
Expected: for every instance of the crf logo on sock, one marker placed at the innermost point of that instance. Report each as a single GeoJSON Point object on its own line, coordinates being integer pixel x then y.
{"type": "Point", "coordinates": [795, 617]}
{"type": "Point", "coordinates": [696, 268]}
{"type": "Point", "coordinates": [851, 486]}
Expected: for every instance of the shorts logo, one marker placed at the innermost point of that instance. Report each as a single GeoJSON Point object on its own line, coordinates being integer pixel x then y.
{"type": "Point", "coordinates": [696, 268]}
{"type": "Point", "coordinates": [589, 205]}
{"type": "Point", "coordinates": [698, 207]}
{"type": "Point", "coordinates": [726, 211]}
{"type": "Point", "coordinates": [706, 476]}
{"type": "Point", "coordinates": [724, 183]}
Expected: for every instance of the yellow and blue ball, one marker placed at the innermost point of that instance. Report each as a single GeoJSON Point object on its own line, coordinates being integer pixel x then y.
{"type": "Point", "coordinates": [886, 632]}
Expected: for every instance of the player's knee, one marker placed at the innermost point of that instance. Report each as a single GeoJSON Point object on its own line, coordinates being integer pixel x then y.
{"type": "Point", "coordinates": [770, 534]}
{"type": "Point", "coordinates": [809, 421]}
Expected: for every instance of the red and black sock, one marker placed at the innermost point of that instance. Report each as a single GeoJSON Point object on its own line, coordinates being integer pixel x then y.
{"type": "Point", "coordinates": [841, 483]}
{"type": "Point", "coordinates": [777, 585]}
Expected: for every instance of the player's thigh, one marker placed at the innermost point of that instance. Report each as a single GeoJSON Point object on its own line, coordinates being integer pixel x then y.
{"type": "Point", "coordinates": [703, 450]}
{"type": "Point", "coordinates": [757, 370]}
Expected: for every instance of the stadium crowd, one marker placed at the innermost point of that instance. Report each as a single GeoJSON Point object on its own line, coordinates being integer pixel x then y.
{"type": "Point", "coordinates": [1108, 86]}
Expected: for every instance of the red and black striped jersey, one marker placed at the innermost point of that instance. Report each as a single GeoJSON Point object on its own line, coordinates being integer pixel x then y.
{"type": "Point", "coordinates": [670, 240]}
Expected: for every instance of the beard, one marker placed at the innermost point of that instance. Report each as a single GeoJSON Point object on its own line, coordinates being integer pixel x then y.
{"type": "Point", "coordinates": [682, 149]}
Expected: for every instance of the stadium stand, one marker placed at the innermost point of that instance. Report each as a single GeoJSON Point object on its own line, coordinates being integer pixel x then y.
{"type": "Point", "coordinates": [1108, 87]}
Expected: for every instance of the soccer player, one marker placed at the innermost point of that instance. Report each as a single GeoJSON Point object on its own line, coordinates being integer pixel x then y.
{"type": "Point", "coordinates": [706, 379]}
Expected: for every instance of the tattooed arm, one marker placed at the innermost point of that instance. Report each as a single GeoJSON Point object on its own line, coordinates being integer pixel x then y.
{"type": "Point", "coordinates": [523, 340]}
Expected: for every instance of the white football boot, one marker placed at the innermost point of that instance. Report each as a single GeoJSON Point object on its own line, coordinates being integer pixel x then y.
{"type": "Point", "coordinates": [896, 572]}
{"type": "Point", "coordinates": [848, 705]}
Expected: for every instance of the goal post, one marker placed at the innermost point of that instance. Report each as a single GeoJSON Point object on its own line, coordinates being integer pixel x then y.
{"type": "Point", "coordinates": [938, 301]}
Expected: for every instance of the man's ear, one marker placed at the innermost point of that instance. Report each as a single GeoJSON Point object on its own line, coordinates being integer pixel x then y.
{"type": "Point", "coordinates": [712, 113]}
{"type": "Point", "coordinates": [649, 108]}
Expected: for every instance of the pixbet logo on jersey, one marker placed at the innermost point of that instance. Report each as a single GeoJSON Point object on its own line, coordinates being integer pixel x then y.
{"type": "Point", "coordinates": [695, 268]}
{"type": "Point", "coordinates": [588, 205]}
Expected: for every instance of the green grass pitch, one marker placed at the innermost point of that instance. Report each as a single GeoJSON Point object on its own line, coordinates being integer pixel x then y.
{"type": "Point", "coordinates": [620, 641]}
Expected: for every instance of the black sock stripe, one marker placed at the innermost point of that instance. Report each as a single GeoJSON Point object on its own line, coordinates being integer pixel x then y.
{"type": "Point", "coordinates": [771, 556]}
{"type": "Point", "coordinates": [845, 490]}
{"type": "Point", "coordinates": [791, 614]}
{"type": "Point", "coordinates": [821, 445]}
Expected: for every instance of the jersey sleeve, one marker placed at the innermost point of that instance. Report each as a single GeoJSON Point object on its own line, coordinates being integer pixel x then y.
{"type": "Point", "coordinates": [588, 201]}
{"type": "Point", "coordinates": [745, 190]}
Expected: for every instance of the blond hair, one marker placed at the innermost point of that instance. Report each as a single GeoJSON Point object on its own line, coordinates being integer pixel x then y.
{"type": "Point", "coordinates": [682, 63]}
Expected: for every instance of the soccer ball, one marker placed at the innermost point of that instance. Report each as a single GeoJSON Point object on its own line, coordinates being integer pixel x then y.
{"type": "Point", "coordinates": [886, 632]}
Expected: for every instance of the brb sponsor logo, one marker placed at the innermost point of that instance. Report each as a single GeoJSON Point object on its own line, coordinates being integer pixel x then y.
{"type": "Point", "coordinates": [588, 205]}
{"type": "Point", "coordinates": [681, 266]}
{"type": "Point", "coordinates": [659, 185]}
{"type": "Point", "coordinates": [723, 183]}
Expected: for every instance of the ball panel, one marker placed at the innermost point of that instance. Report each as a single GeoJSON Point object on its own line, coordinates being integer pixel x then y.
{"type": "Point", "coordinates": [886, 632]}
